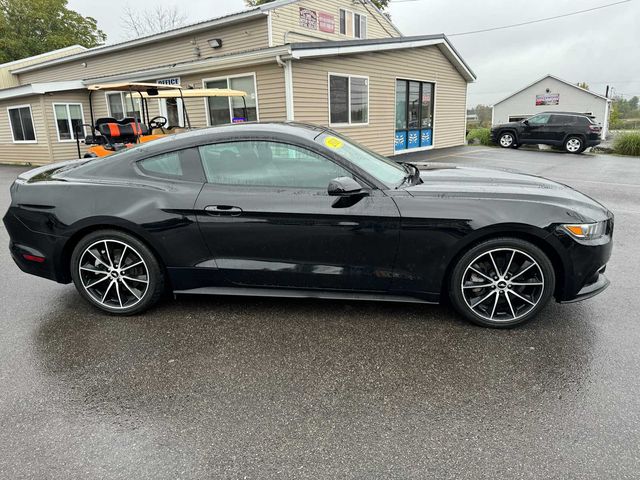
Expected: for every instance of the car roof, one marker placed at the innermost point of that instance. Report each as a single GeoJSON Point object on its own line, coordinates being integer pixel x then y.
{"type": "Point", "coordinates": [569, 113]}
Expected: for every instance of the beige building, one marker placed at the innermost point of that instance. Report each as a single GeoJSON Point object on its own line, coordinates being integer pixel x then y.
{"type": "Point", "coordinates": [338, 63]}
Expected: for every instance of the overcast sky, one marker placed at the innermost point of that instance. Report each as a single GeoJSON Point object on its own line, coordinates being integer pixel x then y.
{"type": "Point", "coordinates": [600, 47]}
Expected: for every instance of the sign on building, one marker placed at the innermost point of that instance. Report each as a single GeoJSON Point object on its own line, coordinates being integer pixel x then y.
{"type": "Point", "coordinates": [548, 99]}
{"type": "Point", "coordinates": [308, 18]}
{"type": "Point", "coordinates": [326, 22]}
{"type": "Point", "coordinates": [169, 81]}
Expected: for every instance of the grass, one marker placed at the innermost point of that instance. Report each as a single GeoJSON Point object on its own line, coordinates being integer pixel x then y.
{"type": "Point", "coordinates": [482, 135]}
{"type": "Point", "coordinates": [627, 144]}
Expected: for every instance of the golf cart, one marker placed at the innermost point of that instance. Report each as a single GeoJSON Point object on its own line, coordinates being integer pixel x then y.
{"type": "Point", "coordinates": [110, 134]}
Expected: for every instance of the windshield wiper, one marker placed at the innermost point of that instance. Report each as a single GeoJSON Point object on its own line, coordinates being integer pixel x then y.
{"type": "Point", "coordinates": [413, 174]}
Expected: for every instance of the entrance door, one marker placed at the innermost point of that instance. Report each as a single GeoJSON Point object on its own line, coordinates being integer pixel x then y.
{"type": "Point", "coordinates": [173, 111]}
{"type": "Point", "coordinates": [414, 115]}
{"type": "Point", "coordinates": [268, 220]}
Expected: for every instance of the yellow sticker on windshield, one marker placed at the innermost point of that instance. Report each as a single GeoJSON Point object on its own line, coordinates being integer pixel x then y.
{"type": "Point", "coordinates": [333, 142]}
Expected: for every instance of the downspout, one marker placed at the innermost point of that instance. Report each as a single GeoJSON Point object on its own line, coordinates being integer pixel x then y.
{"type": "Point", "coordinates": [288, 87]}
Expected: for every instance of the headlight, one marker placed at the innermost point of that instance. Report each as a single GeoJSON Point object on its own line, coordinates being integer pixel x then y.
{"type": "Point", "coordinates": [586, 231]}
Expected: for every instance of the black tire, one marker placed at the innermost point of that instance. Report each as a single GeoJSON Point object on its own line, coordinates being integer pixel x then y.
{"type": "Point", "coordinates": [506, 139]}
{"type": "Point", "coordinates": [574, 144]}
{"type": "Point", "coordinates": [142, 284]}
{"type": "Point", "coordinates": [509, 310]}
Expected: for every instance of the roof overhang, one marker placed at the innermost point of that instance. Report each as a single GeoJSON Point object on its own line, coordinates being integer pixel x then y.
{"type": "Point", "coordinates": [350, 47]}
{"type": "Point", "coordinates": [40, 89]}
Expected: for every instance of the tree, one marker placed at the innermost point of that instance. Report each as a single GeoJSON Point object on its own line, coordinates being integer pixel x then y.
{"type": "Point", "coordinates": [583, 85]}
{"type": "Point", "coordinates": [32, 27]}
{"type": "Point", "coordinates": [148, 22]}
{"type": "Point", "coordinates": [381, 4]}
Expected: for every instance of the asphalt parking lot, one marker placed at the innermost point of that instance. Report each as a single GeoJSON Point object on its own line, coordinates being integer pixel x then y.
{"type": "Point", "coordinates": [236, 388]}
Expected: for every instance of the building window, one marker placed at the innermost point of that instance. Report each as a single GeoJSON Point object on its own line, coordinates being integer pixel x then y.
{"type": "Point", "coordinates": [21, 121]}
{"type": "Point", "coordinates": [353, 24]}
{"type": "Point", "coordinates": [414, 114]}
{"type": "Point", "coordinates": [348, 99]}
{"type": "Point", "coordinates": [359, 26]}
{"type": "Point", "coordinates": [69, 119]}
{"type": "Point", "coordinates": [223, 110]}
{"type": "Point", "coordinates": [121, 105]}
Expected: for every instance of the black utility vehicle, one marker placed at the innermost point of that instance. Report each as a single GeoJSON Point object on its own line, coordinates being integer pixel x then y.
{"type": "Point", "coordinates": [573, 131]}
{"type": "Point", "coordinates": [294, 210]}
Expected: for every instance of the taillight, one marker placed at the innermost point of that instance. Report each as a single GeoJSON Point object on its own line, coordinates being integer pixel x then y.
{"type": "Point", "coordinates": [33, 258]}
{"type": "Point", "coordinates": [595, 128]}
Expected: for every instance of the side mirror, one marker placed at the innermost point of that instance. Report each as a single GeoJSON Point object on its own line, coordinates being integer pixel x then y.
{"type": "Point", "coordinates": [526, 122]}
{"type": "Point", "coordinates": [345, 187]}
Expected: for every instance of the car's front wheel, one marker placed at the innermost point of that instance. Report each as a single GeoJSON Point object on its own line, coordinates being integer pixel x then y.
{"type": "Point", "coordinates": [116, 272]}
{"type": "Point", "coordinates": [502, 282]}
{"type": "Point", "coordinates": [506, 140]}
{"type": "Point", "coordinates": [574, 145]}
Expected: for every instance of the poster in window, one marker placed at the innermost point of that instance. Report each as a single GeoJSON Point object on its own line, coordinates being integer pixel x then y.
{"type": "Point", "coordinates": [400, 140]}
{"type": "Point", "coordinates": [308, 18]}
{"type": "Point", "coordinates": [548, 99]}
{"type": "Point", "coordinates": [413, 139]}
{"type": "Point", "coordinates": [326, 22]}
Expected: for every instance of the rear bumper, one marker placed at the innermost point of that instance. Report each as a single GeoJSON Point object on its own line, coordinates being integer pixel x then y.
{"type": "Point", "coordinates": [24, 241]}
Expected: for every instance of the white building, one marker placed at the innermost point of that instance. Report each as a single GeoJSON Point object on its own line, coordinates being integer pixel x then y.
{"type": "Point", "coordinates": [552, 94]}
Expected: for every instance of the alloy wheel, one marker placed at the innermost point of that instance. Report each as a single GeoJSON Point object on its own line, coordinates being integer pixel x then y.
{"type": "Point", "coordinates": [506, 140]}
{"type": "Point", "coordinates": [502, 285]}
{"type": "Point", "coordinates": [114, 274]}
{"type": "Point", "coordinates": [574, 145]}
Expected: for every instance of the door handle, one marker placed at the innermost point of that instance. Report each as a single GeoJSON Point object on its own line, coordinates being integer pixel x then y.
{"type": "Point", "coordinates": [219, 210]}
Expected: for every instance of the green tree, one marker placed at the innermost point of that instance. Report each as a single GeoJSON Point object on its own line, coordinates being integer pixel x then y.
{"type": "Point", "coordinates": [381, 4]}
{"type": "Point", "coordinates": [32, 27]}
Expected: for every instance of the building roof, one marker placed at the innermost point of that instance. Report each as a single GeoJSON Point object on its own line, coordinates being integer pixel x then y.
{"type": "Point", "coordinates": [41, 89]}
{"type": "Point", "coordinates": [237, 17]}
{"type": "Point", "coordinates": [559, 80]}
{"type": "Point", "coordinates": [345, 47]}
{"type": "Point", "coordinates": [295, 51]}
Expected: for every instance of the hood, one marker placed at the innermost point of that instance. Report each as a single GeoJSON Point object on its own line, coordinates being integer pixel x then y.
{"type": "Point", "coordinates": [451, 181]}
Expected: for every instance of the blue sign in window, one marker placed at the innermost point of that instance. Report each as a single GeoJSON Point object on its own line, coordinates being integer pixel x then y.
{"type": "Point", "coordinates": [400, 141]}
{"type": "Point", "coordinates": [413, 140]}
{"type": "Point", "coordinates": [426, 138]}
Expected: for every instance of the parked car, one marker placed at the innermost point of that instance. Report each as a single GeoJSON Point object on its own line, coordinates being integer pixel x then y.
{"type": "Point", "coordinates": [575, 132]}
{"type": "Point", "coordinates": [299, 211]}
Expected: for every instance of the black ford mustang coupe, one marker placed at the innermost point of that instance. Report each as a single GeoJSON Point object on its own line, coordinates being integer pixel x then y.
{"type": "Point", "coordinates": [294, 210]}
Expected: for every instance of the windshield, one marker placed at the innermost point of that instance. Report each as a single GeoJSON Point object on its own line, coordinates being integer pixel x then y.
{"type": "Point", "coordinates": [381, 168]}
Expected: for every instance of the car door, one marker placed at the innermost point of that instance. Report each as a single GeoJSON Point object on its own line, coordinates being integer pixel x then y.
{"type": "Point", "coordinates": [536, 129]}
{"type": "Point", "coordinates": [269, 222]}
{"type": "Point", "coordinates": [559, 126]}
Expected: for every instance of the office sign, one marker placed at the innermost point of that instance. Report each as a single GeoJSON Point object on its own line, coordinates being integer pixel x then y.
{"type": "Point", "coordinates": [169, 81]}
{"type": "Point", "coordinates": [548, 99]}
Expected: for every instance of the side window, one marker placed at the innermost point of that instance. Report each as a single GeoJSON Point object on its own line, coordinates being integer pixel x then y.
{"type": "Point", "coordinates": [166, 165]}
{"type": "Point", "coordinates": [267, 164]}
{"type": "Point", "coordinates": [539, 119]}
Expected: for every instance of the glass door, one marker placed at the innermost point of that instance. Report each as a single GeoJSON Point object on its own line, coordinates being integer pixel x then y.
{"type": "Point", "coordinates": [414, 115]}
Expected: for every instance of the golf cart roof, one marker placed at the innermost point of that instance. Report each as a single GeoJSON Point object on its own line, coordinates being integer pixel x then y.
{"type": "Point", "coordinates": [133, 86]}
{"type": "Point", "coordinates": [195, 93]}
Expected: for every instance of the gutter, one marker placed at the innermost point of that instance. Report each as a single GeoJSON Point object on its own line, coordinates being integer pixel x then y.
{"type": "Point", "coordinates": [288, 86]}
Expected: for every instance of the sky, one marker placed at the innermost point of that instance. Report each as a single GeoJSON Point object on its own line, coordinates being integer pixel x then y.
{"type": "Point", "coordinates": [600, 48]}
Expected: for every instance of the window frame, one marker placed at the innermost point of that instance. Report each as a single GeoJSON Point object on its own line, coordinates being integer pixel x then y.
{"type": "Point", "coordinates": [349, 77]}
{"type": "Point", "coordinates": [361, 16]}
{"type": "Point", "coordinates": [33, 124]}
{"type": "Point", "coordinates": [318, 152]}
{"type": "Point", "coordinates": [194, 174]}
{"type": "Point", "coordinates": [227, 78]}
{"type": "Point", "coordinates": [353, 23]}
{"type": "Point", "coordinates": [55, 118]}
{"type": "Point", "coordinates": [122, 103]}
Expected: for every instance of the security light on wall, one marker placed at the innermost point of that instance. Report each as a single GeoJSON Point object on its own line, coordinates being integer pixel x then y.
{"type": "Point", "coordinates": [215, 43]}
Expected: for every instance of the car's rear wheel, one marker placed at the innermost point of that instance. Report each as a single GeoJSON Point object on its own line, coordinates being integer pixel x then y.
{"type": "Point", "coordinates": [574, 145]}
{"type": "Point", "coordinates": [502, 282]}
{"type": "Point", "coordinates": [116, 272]}
{"type": "Point", "coordinates": [506, 140]}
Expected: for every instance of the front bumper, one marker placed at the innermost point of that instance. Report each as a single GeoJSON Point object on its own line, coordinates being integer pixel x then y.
{"type": "Point", "coordinates": [591, 290]}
